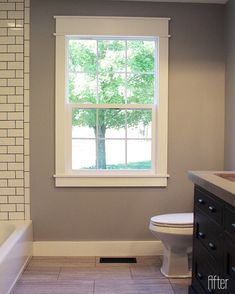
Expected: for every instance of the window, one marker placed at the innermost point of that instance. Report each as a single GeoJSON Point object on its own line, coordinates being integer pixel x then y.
{"type": "Point", "coordinates": [111, 101]}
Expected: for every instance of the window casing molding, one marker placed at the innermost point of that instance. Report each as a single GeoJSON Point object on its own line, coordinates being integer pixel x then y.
{"type": "Point", "coordinates": [117, 27]}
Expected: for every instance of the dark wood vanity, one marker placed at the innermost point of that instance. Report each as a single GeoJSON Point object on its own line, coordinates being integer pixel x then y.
{"type": "Point", "coordinates": [213, 269]}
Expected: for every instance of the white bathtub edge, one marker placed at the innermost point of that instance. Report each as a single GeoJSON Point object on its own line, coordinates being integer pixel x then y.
{"type": "Point", "coordinates": [20, 228]}
{"type": "Point", "coordinates": [19, 274]}
{"type": "Point", "coordinates": [15, 252]}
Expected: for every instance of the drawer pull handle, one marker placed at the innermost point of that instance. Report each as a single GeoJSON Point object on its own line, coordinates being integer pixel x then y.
{"type": "Point", "coordinates": [200, 276]}
{"type": "Point", "coordinates": [212, 246]}
{"type": "Point", "coordinates": [233, 269]}
{"type": "Point", "coordinates": [212, 209]}
{"type": "Point", "coordinates": [233, 225]}
{"type": "Point", "coordinates": [201, 201]}
{"type": "Point", "coordinates": [201, 235]}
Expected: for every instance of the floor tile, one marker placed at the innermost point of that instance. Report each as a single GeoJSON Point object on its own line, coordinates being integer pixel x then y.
{"type": "Point", "coordinates": [41, 274]}
{"type": "Point", "coordinates": [85, 275]}
{"type": "Point", "coordinates": [180, 289]}
{"type": "Point", "coordinates": [120, 272]}
{"type": "Point", "coordinates": [149, 260]}
{"type": "Point", "coordinates": [150, 286]}
{"type": "Point", "coordinates": [42, 269]}
{"type": "Point", "coordinates": [146, 272]}
{"type": "Point", "coordinates": [180, 286]}
{"type": "Point", "coordinates": [181, 281]}
{"type": "Point", "coordinates": [66, 287]}
{"type": "Point", "coordinates": [62, 262]}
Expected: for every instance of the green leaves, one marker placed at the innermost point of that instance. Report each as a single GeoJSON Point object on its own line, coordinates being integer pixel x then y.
{"type": "Point", "coordinates": [84, 117]}
{"type": "Point", "coordinates": [111, 72]}
{"type": "Point", "coordinates": [140, 56]}
{"type": "Point", "coordinates": [82, 56]}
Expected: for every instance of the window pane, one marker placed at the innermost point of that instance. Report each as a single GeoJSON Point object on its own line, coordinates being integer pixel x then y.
{"type": "Point", "coordinates": [140, 56]}
{"type": "Point", "coordinates": [139, 124]}
{"type": "Point", "coordinates": [82, 71]}
{"type": "Point", "coordinates": [82, 56]}
{"type": "Point", "coordinates": [82, 132]}
{"type": "Point", "coordinates": [82, 88]}
{"type": "Point", "coordinates": [139, 154]}
{"type": "Point", "coordinates": [111, 55]}
{"type": "Point", "coordinates": [140, 88]}
{"type": "Point", "coordinates": [111, 123]}
{"type": "Point", "coordinates": [87, 71]}
{"type": "Point", "coordinates": [83, 154]}
{"type": "Point", "coordinates": [111, 87]}
{"type": "Point", "coordinates": [83, 123]}
{"type": "Point", "coordinates": [114, 155]}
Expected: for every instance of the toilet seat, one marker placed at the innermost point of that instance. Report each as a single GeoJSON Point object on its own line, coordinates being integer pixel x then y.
{"type": "Point", "coordinates": [173, 220]}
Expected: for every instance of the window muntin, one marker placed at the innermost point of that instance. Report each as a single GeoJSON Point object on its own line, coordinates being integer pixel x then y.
{"type": "Point", "coordinates": [105, 73]}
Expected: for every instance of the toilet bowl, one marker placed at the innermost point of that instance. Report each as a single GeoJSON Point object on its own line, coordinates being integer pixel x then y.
{"type": "Point", "coordinates": [175, 231]}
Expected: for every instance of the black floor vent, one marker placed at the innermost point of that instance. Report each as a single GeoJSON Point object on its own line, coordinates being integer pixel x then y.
{"type": "Point", "coordinates": [118, 260]}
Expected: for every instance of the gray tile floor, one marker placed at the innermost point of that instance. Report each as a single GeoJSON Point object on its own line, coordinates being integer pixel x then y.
{"type": "Point", "coordinates": [85, 275]}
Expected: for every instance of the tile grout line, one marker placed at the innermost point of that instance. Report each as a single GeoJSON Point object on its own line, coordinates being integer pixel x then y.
{"type": "Point", "coordinates": [173, 290]}
{"type": "Point", "coordinates": [96, 257]}
{"type": "Point", "coordinates": [131, 274]}
{"type": "Point", "coordinates": [60, 269]}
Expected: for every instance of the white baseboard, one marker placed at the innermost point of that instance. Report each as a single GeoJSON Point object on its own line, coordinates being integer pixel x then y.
{"type": "Point", "coordinates": [98, 248]}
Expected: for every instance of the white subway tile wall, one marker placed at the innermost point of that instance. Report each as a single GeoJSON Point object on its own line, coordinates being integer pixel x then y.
{"type": "Point", "coordinates": [14, 109]}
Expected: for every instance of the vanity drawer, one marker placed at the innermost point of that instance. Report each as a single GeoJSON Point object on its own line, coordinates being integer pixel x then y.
{"type": "Point", "coordinates": [231, 287]}
{"type": "Point", "coordinates": [229, 220]}
{"type": "Point", "coordinates": [204, 267]}
{"type": "Point", "coordinates": [202, 272]}
{"type": "Point", "coordinates": [229, 252]}
{"type": "Point", "coordinates": [209, 205]}
{"type": "Point", "coordinates": [209, 234]}
{"type": "Point", "coordinates": [201, 254]}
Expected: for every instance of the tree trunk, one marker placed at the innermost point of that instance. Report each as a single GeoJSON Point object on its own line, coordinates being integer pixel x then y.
{"type": "Point", "coordinates": [100, 152]}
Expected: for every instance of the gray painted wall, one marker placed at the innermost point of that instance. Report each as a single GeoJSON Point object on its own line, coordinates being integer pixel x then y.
{"type": "Point", "coordinates": [230, 87]}
{"type": "Point", "coordinates": [196, 128]}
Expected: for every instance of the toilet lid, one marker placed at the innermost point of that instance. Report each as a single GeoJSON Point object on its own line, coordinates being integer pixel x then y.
{"type": "Point", "coordinates": [178, 220]}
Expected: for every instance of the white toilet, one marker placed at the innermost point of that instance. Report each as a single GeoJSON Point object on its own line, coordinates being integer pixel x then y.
{"type": "Point", "coordinates": [176, 232]}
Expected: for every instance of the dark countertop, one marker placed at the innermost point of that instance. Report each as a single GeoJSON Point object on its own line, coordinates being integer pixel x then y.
{"type": "Point", "coordinates": [222, 188]}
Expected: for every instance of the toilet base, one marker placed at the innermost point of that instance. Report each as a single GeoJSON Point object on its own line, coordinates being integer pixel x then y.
{"type": "Point", "coordinates": [175, 264]}
{"type": "Point", "coordinates": [189, 275]}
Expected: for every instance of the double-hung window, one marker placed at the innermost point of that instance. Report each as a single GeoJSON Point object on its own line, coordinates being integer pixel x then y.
{"type": "Point", "coordinates": [111, 101]}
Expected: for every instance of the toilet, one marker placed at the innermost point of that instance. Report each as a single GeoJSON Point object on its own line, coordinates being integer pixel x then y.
{"type": "Point", "coordinates": [176, 232]}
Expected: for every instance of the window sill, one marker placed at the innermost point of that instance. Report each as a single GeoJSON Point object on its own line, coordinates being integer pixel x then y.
{"type": "Point", "coordinates": [121, 181]}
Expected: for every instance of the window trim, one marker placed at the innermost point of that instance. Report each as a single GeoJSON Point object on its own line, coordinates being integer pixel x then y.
{"type": "Point", "coordinates": [113, 26]}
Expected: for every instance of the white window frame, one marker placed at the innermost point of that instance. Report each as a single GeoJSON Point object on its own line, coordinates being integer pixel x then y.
{"type": "Point", "coordinates": [68, 26]}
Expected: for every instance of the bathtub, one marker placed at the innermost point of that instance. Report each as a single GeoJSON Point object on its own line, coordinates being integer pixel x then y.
{"type": "Point", "coordinates": [15, 251]}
